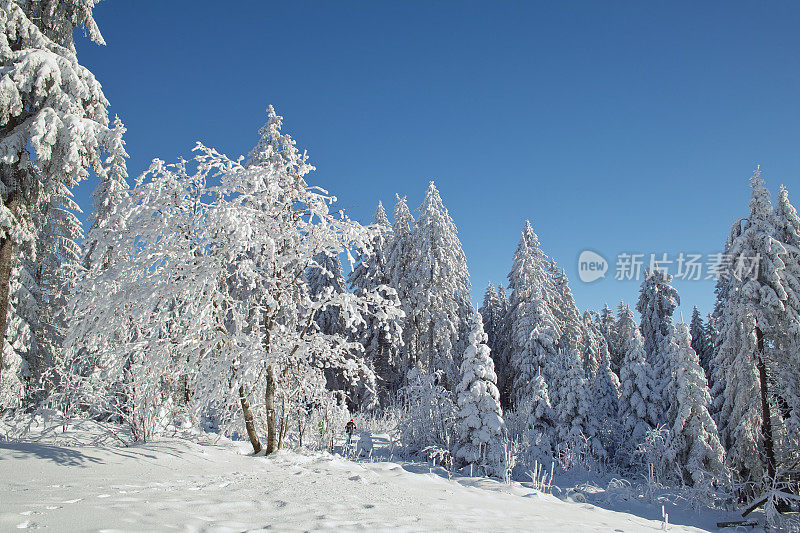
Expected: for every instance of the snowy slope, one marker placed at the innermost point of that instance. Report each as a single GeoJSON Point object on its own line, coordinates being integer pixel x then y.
{"type": "Point", "coordinates": [186, 486]}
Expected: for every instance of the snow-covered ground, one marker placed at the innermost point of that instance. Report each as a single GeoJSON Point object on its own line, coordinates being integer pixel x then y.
{"type": "Point", "coordinates": [191, 485]}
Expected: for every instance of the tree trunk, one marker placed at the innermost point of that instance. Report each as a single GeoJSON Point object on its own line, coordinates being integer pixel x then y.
{"type": "Point", "coordinates": [270, 405]}
{"type": "Point", "coordinates": [248, 421]}
{"type": "Point", "coordinates": [6, 256]}
{"type": "Point", "coordinates": [766, 427]}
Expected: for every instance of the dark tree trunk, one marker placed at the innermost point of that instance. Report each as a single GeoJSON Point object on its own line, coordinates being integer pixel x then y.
{"type": "Point", "coordinates": [766, 427]}
{"type": "Point", "coordinates": [272, 432]}
{"type": "Point", "coordinates": [248, 421]}
{"type": "Point", "coordinates": [6, 249]}
{"type": "Point", "coordinates": [6, 261]}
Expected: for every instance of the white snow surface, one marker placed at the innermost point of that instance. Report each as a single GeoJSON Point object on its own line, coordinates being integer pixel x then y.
{"type": "Point", "coordinates": [184, 485]}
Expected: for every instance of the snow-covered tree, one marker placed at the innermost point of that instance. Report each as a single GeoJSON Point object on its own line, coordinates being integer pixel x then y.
{"type": "Point", "coordinates": [109, 193]}
{"type": "Point", "coordinates": [694, 445]}
{"type": "Point", "coordinates": [574, 333]}
{"type": "Point", "coordinates": [440, 295]}
{"type": "Point", "coordinates": [226, 307]}
{"type": "Point", "coordinates": [371, 269]}
{"type": "Point", "coordinates": [57, 19]}
{"type": "Point", "coordinates": [755, 310]}
{"type": "Point", "coordinates": [657, 301]}
{"type": "Point", "coordinates": [786, 348]}
{"type": "Point", "coordinates": [381, 336]}
{"type": "Point", "coordinates": [570, 397]}
{"type": "Point", "coordinates": [398, 259]}
{"type": "Point", "coordinates": [701, 343]}
{"type": "Point", "coordinates": [493, 311]}
{"type": "Point", "coordinates": [533, 330]}
{"type": "Point", "coordinates": [637, 413]}
{"type": "Point", "coordinates": [604, 392]}
{"type": "Point", "coordinates": [479, 416]}
{"type": "Point", "coordinates": [54, 122]}
{"type": "Point", "coordinates": [607, 324]}
{"type": "Point", "coordinates": [715, 324]}
{"type": "Point", "coordinates": [429, 415]}
{"type": "Point", "coordinates": [325, 278]}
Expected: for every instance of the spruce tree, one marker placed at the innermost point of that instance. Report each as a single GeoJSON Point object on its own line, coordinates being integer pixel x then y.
{"type": "Point", "coordinates": [480, 422]}
{"type": "Point", "coordinates": [533, 330]}
{"type": "Point", "coordinates": [440, 288]}
{"type": "Point", "coordinates": [55, 121]}
{"type": "Point", "coordinates": [694, 444]}
{"type": "Point", "coordinates": [657, 301]}
{"type": "Point", "coordinates": [755, 309]}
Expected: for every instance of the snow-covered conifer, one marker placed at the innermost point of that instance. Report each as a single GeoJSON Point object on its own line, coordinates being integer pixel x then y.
{"type": "Point", "coordinates": [326, 279]}
{"type": "Point", "coordinates": [533, 330]}
{"type": "Point", "coordinates": [440, 291]}
{"type": "Point", "coordinates": [109, 193]}
{"type": "Point", "coordinates": [657, 301]}
{"type": "Point", "coordinates": [608, 327]}
{"type": "Point", "coordinates": [480, 418]}
{"type": "Point", "coordinates": [54, 117]}
{"type": "Point", "coordinates": [694, 444]}
{"type": "Point", "coordinates": [756, 305]}
{"type": "Point", "coordinates": [604, 392]}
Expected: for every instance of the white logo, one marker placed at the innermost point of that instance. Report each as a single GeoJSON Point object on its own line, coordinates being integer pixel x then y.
{"type": "Point", "coordinates": [591, 266]}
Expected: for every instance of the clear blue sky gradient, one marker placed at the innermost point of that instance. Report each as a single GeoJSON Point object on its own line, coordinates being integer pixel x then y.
{"type": "Point", "coordinates": [615, 126]}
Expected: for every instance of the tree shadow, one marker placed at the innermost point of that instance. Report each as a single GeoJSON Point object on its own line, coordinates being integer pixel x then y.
{"type": "Point", "coordinates": [57, 454]}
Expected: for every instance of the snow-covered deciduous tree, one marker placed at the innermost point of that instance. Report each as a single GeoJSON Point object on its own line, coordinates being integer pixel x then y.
{"type": "Point", "coordinates": [206, 297]}
{"type": "Point", "coordinates": [53, 121]}
{"type": "Point", "coordinates": [694, 445]}
{"type": "Point", "coordinates": [657, 301]}
{"type": "Point", "coordinates": [440, 289]}
{"type": "Point", "coordinates": [479, 417]}
{"type": "Point", "coordinates": [429, 415]}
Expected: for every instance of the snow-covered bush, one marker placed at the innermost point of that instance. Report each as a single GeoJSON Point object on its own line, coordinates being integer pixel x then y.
{"type": "Point", "coordinates": [651, 452]}
{"type": "Point", "coordinates": [529, 427]}
{"type": "Point", "coordinates": [429, 413]}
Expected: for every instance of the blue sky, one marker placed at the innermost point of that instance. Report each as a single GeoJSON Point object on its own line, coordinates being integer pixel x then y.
{"type": "Point", "coordinates": [613, 126]}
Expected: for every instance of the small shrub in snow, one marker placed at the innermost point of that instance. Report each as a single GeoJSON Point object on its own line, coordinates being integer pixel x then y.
{"type": "Point", "coordinates": [429, 413]}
